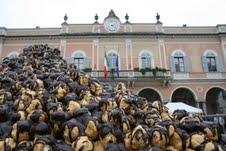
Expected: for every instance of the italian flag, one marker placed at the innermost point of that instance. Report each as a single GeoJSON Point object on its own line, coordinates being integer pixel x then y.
{"type": "Point", "coordinates": [106, 65]}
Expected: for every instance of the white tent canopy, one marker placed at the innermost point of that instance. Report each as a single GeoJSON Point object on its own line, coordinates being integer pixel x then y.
{"type": "Point", "coordinates": [172, 106]}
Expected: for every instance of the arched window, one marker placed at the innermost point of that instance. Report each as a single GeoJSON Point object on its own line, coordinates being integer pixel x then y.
{"type": "Point", "coordinates": [112, 58]}
{"type": "Point", "coordinates": [145, 60]}
{"type": "Point", "coordinates": [80, 59]}
{"type": "Point", "coordinates": [211, 62]}
{"type": "Point", "coordinates": [179, 62]}
{"type": "Point", "coordinates": [13, 54]}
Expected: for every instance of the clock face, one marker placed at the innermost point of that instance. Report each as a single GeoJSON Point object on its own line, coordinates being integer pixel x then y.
{"type": "Point", "coordinates": [112, 25]}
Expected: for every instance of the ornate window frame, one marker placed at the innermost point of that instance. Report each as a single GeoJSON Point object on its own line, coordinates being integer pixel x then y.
{"type": "Point", "coordinates": [151, 56]}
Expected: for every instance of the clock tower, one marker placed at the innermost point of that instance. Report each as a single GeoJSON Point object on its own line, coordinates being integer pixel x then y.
{"type": "Point", "coordinates": [112, 22]}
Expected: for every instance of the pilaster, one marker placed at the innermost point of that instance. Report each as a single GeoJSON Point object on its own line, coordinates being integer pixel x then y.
{"type": "Point", "coordinates": [2, 33]}
{"type": "Point", "coordinates": [129, 55]}
{"type": "Point", "coordinates": [63, 47]}
{"type": "Point", "coordinates": [223, 49]}
{"type": "Point", "coordinates": [96, 28]}
{"type": "Point", "coordinates": [64, 28]}
{"type": "Point", "coordinates": [162, 53]}
{"type": "Point", "coordinates": [222, 29]}
{"type": "Point", "coordinates": [1, 48]}
{"type": "Point", "coordinates": [127, 27]}
{"type": "Point", "coordinates": [95, 54]}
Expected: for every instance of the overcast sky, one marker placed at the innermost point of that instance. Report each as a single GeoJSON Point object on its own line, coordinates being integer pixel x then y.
{"type": "Point", "coordinates": [49, 13]}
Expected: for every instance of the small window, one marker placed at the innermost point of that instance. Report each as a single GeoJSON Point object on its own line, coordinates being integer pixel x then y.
{"type": "Point", "coordinates": [145, 60]}
{"type": "Point", "coordinates": [112, 58]}
{"type": "Point", "coordinates": [79, 60]}
{"type": "Point", "coordinates": [211, 63]}
{"type": "Point", "coordinates": [179, 64]}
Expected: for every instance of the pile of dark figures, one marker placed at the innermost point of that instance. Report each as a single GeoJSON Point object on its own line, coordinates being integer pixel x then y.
{"type": "Point", "coordinates": [46, 104]}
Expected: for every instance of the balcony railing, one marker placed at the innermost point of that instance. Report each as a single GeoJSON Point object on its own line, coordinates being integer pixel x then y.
{"type": "Point", "coordinates": [129, 74]}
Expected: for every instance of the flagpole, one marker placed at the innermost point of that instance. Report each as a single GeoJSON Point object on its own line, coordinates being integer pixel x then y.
{"type": "Point", "coordinates": [106, 66]}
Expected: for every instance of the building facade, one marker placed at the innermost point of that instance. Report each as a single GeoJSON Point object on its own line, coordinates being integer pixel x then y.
{"type": "Point", "coordinates": [155, 61]}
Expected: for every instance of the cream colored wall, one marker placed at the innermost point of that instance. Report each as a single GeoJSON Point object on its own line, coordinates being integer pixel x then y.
{"type": "Point", "coordinates": [143, 44]}
{"type": "Point", "coordinates": [18, 45]}
{"type": "Point", "coordinates": [194, 49]}
{"type": "Point", "coordinates": [143, 28]}
{"type": "Point", "coordinates": [211, 29]}
{"type": "Point", "coordinates": [117, 45]}
{"type": "Point", "coordinates": [33, 31]}
{"type": "Point", "coordinates": [75, 45]}
{"type": "Point", "coordinates": [79, 28]}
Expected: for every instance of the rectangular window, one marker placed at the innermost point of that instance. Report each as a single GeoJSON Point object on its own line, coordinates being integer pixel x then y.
{"type": "Point", "coordinates": [79, 62]}
{"type": "Point", "coordinates": [145, 62]}
{"type": "Point", "coordinates": [112, 62]}
{"type": "Point", "coordinates": [211, 63]}
{"type": "Point", "coordinates": [179, 64]}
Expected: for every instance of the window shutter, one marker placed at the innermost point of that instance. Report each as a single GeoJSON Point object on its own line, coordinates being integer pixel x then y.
{"type": "Point", "coordinates": [173, 69]}
{"type": "Point", "coordinates": [85, 63]}
{"type": "Point", "coordinates": [219, 64]}
{"type": "Point", "coordinates": [149, 65]}
{"type": "Point", "coordinates": [186, 64]}
{"type": "Point", "coordinates": [204, 64]}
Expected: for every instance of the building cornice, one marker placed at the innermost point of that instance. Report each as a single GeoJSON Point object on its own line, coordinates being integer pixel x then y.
{"type": "Point", "coordinates": [114, 35]}
{"type": "Point", "coordinates": [198, 81]}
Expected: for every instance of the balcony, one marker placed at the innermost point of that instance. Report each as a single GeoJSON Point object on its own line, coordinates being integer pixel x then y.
{"type": "Point", "coordinates": [128, 76]}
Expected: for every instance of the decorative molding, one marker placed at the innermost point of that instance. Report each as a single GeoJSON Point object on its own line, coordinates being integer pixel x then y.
{"type": "Point", "coordinates": [180, 75]}
{"type": "Point", "coordinates": [129, 58]}
{"type": "Point", "coordinates": [112, 35]}
{"type": "Point", "coordinates": [186, 87]}
{"type": "Point", "coordinates": [160, 53]}
{"type": "Point", "coordinates": [199, 89]}
{"type": "Point", "coordinates": [210, 51]}
{"type": "Point", "coordinates": [160, 94]}
{"type": "Point", "coordinates": [197, 81]}
{"type": "Point", "coordinates": [213, 75]}
{"type": "Point", "coordinates": [64, 29]}
{"type": "Point", "coordinates": [162, 44]}
{"type": "Point", "coordinates": [3, 31]}
{"type": "Point", "coordinates": [178, 50]}
{"type": "Point", "coordinates": [221, 28]}
{"type": "Point", "coordinates": [63, 46]}
{"type": "Point", "coordinates": [95, 50]}
{"type": "Point", "coordinates": [223, 50]}
{"type": "Point", "coordinates": [79, 51]}
{"type": "Point", "coordinates": [96, 28]}
{"type": "Point", "coordinates": [215, 86]}
{"type": "Point", "coordinates": [128, 28]}
{"type": "Point", "coordinates": [159, 28]}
